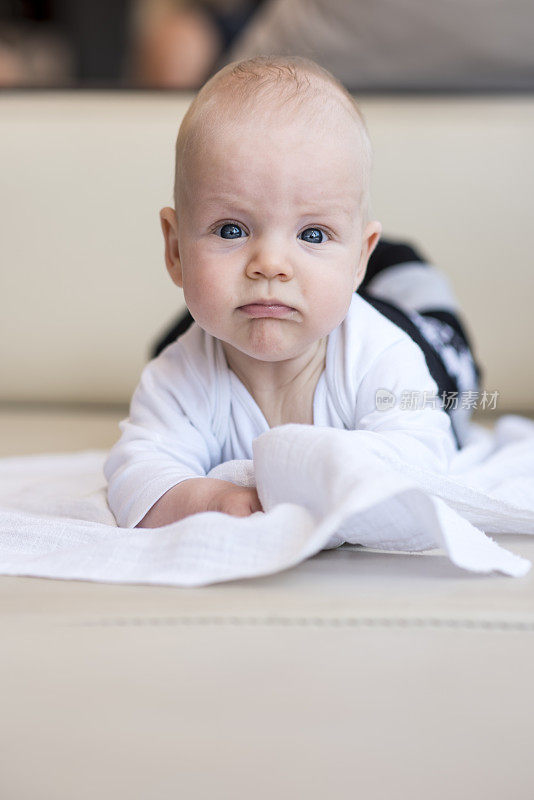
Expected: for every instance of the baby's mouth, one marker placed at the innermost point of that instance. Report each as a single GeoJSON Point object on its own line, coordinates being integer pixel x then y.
{"type": "Point", "coordinates": [262, 309]}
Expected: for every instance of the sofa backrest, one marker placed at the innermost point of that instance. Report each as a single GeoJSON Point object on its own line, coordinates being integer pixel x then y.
{"type": "Point", "coordinates": [83, 286]}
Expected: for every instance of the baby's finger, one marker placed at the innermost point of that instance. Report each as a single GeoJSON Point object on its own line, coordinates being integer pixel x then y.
{"type": "Point", "coordinates": [240, 510]}
{"type": "Point", "coordinates": [255, 504]}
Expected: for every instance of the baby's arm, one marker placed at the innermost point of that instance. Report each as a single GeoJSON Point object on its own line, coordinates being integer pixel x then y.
{"type": "Point", "coordinates": [157, 471]}
{"type": "Point", "coordinates": [195, 495]}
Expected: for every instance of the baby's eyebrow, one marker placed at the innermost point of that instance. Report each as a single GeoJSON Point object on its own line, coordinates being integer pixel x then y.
{"type": "Point", "coordinates": [329, 210]}
{"type": "Point", "coordinates": [326, 208]}
{"type": "Point", "coordinates": [231, 201]}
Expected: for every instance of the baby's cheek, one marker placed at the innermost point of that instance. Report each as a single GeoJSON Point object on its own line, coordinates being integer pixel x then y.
{"type": "Point", "coordinates": [332, 304]}
{"type": "Point", "coordinates": [205, 295]}
{"type": "Point", "coordinates": [198, 282]}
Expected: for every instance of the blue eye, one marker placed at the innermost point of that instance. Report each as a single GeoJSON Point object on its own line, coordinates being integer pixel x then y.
{"type": "Point", "coordinates": [313, 236]}
{"type": "Point", "coordinates": [231, 231]}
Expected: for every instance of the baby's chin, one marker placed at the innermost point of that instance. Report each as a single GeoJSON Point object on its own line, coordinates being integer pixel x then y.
{"type": "Point", "coordinates": [268, 349]}
{"type": "Point", "coordinates": [265, 353]}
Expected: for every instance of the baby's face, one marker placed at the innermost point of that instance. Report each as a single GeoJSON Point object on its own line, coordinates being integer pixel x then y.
{"type": "Point", "coordinates": [272, 216]}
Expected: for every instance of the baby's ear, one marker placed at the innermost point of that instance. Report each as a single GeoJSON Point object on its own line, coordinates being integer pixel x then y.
{"type": "Point", "coordinates": [370, 238]}
{"type": "Point", "coordinates": [169, 226]}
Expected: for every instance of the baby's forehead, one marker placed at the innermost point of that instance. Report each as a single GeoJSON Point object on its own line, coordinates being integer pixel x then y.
{"type": "Point", "coordinates": [266, 151]}
{"type": "Point", "coordinates": [271, 179]}
{"type": "Point", "coordinates": [253, 134]}
{"type": "Point", "coordinates": [260, 121]}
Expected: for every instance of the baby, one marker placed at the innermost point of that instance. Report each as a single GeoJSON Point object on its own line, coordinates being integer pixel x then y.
{"type": "Point", "coordinates": [269, 240]}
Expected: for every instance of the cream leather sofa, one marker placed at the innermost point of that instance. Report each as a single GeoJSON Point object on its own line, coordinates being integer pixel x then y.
{"type": "Point", "coordinates": [357, 674]}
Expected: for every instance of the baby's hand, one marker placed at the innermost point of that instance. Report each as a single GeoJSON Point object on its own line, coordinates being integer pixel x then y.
{"type": "Point", "coordinates": [196, 495]}
{"type": "Point", "coordinates": [238, 501]}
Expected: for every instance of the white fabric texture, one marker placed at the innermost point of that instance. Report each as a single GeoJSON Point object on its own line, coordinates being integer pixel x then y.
{"type": "Point", "coordinates": [317, 490]}
{"type": "Point", "coordinates": [190, 412]}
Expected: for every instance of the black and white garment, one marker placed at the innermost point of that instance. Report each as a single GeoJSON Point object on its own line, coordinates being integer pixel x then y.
{"type": "Point", "coordinates": [418, 298]}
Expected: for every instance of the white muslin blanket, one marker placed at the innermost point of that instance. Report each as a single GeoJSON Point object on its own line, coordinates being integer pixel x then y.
{"type": "Point", "coordinates": [317, 490]}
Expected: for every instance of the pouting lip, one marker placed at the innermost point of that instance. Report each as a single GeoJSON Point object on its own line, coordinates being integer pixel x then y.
{"type": "Point", "coordinates": [271, 302]}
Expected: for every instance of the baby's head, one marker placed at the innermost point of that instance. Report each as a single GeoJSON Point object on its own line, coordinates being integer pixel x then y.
{"type": "Point", "coordinates": [272, 204]}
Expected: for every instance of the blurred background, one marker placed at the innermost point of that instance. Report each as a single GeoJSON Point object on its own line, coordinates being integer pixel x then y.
{"type": "Point", "coordinates": [91, 98]}
{"type": "Point", "coordinates": [177, 44]}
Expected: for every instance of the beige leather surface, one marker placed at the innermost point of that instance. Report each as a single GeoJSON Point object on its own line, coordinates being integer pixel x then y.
{"type": "Point", "coordinates": [353, 675]}
{"type": "Point", "coordinates": [83, 284]}
{"type": "Point", "coordinates": [57, 429]}
{"type": "Point", "coordinates": [356, 674]}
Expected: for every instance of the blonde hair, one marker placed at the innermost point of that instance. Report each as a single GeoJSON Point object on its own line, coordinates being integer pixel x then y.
{"type": "Point", "coordinates": [291, 80]}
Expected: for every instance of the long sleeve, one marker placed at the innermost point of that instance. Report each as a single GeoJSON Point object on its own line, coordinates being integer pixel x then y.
{"type": "Point", "coordinates": [414, 428]}
{"type": "Point", "coordinates": [167, 438]}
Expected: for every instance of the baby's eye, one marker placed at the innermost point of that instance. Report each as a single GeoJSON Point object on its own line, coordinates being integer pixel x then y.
{"type": "Point", "coordinates": [231, 231]}
{"type": "Point", "coordinates": [313, 235]}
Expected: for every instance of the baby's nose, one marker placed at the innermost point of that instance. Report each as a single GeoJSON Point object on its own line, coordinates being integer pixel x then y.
{"type": "Point", "coordinates": [269, 263]}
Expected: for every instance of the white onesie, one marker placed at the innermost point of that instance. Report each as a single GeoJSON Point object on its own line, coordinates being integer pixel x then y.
{"type": "Point", "coordinates": [190, 412]}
